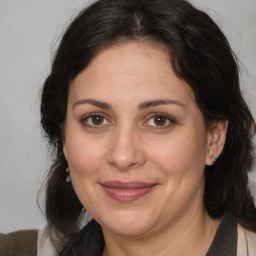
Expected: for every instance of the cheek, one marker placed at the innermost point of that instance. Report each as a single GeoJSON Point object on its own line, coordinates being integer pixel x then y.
{"type": "Point", "coordinates": [181, 153]}
{"type": "Point", "coordinates": [182, 162]}
{"type": "Point", "coordinates": [85, 162]}
{"type": "Point", "coordinates": [84, 156]}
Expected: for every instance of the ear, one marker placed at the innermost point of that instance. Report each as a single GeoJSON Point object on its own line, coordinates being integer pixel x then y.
{"type": "Point", "coordinates": [63, 127]}
{"type": "Point", "coordinates": [216, 137]}
{"type": "Point", "coordinates": [65, 151]}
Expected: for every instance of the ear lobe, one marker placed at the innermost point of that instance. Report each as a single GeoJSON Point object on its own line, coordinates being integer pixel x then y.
{"type": "Point", "coordinates": [216, 138]}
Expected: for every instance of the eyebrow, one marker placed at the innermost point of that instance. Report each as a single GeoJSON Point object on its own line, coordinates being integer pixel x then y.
{"type": "Point", "coordinates": [154, 103]}
{"type": "Point", "coordinates": [96, 103]}
{"type": "Point", "coordinates": [143, 105]}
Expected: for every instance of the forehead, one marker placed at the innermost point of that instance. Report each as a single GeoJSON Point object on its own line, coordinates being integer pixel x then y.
{"type": "Point", "coordinates": [130, 57]}
{"type": "Point", "coordinates": [135, 69]}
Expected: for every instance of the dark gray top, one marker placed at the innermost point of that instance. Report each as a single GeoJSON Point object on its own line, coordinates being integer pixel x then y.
{"type": "Point", "coordinates": [90, 242]}
{"type": "Point", "coordinates": [225, 240]}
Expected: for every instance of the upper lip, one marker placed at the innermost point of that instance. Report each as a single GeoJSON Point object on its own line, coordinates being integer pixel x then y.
{"type": "Point", "coordinates": [124, 185]}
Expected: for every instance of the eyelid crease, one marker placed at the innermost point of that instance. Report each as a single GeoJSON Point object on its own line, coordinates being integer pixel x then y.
{"type": "Point", "coordinates": [83, 119]}
{"type": "Point", "coordinates": [169, 118]}
{"type": "Point", "coordinates": [163, 115]}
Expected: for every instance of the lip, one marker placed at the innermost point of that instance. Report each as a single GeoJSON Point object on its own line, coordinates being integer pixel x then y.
{"type": "Point", "coordinates": [127, 191]}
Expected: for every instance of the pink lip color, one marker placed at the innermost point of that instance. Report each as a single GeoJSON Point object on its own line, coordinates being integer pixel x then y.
{"type": "Point", "coordinates": [126, 192]}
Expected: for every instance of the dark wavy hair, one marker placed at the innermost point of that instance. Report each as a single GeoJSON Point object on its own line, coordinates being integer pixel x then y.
{"type": "Point", "coordinates": [199, 54]}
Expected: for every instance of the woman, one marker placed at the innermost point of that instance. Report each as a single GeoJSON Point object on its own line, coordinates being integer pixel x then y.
{"type": "Point", "coordinates": [151, 135]}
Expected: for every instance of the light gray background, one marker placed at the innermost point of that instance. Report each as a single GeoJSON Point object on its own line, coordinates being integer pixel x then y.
{"type": "Point", "coordinates": [28, 29]}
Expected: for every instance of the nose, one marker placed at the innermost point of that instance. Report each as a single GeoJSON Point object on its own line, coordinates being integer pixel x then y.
{"type": "Point", "coordinates": [125, 150]}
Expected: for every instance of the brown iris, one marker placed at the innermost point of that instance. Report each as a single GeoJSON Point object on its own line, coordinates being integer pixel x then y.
{"type": "Point", "coordinates": [97, 120]}
{"type": "Point", "coordinates": [160, 120]}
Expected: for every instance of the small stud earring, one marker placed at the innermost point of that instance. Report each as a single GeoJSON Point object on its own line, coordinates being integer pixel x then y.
{"type": "Point", "coordinates": [68, 179]}
{"type": "Point", "coordinates": [214, 158]}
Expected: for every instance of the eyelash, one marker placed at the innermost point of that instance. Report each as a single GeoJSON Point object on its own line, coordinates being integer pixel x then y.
{"type": "Point", "coordinates": [168, 119]}
{"type": "Point", "coordinates": [84, 120]}
{"type": "Point", "coordinates": [171, 121]}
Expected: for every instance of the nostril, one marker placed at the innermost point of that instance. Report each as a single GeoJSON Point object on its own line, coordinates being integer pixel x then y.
{"type": "Point", "coordinates": [125, 151]}
{"type": "Point", "coordinates": [126, 159]}
{"type": "Point", "coordinates": [121, 161]}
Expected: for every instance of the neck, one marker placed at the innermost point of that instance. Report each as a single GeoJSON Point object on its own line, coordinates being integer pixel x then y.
{"type": "Point", "coordinates": [190, 235]}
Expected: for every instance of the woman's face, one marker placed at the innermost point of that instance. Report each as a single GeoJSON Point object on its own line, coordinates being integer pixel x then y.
{"type": "Point", "coordinates": [135, 141]}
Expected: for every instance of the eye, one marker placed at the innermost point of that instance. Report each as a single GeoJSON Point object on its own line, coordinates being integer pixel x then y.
{"type": "Point", "coordinates": [160, 121]}
{"type": "Point", "coordinates": [95, 120]}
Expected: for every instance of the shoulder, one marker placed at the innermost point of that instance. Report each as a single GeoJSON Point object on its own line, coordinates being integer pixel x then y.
{"type": "Point", "coordinates": [246, 242]}
{"type": "Point", "coordinates": [21, 242]}
{"type": "Point", "coordinates": [44, 245]}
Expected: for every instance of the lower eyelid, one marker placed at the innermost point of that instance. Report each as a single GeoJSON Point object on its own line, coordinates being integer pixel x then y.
{"type": "Point", "coordinates": [85, 122]}
{"type": "Point", "coordinates": [169, 121]}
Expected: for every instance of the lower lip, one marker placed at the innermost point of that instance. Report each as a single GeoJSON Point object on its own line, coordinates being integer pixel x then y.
{"type": "Point", "coordinates": [127, 194]}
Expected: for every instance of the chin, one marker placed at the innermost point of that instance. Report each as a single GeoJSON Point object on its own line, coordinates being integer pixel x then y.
{"type": "Point", "coordinates": [128, 224]}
